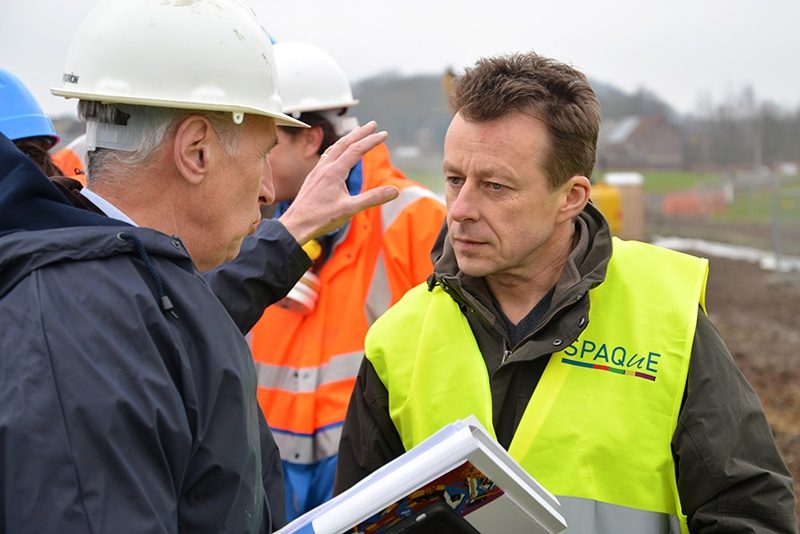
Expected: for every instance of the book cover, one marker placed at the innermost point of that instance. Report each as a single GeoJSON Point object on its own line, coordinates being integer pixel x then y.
{"type": "Point", "coordinates": [457, 481]}
{"type": "Point", "coordinates": [464, 490]}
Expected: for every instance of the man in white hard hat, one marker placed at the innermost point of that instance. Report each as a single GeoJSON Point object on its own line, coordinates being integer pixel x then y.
{"type": "Point", "coordinates": [127, 392]}
{"type": "Point", "coordinates": [317, 334]}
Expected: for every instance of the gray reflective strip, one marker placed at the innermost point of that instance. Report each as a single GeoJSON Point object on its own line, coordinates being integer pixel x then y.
{"type": "Point", "coordinates": [308, 379]}
{"type": "Point", "coordinates": [408, 195]}
{"type": "Point", "coordinates": [308, 449]}
{"type": "Point", "coordinates": [585, 516]}
{"type": "Point", "coordinates": [379, 295]}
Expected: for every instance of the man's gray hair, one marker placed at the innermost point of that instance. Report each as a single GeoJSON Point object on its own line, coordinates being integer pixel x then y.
{"type": "Point", "coordinates": [123, 135]}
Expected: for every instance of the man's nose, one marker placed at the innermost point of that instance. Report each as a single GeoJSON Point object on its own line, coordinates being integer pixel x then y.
{"type": "Point", "coordinates": [462, 204]}
{"type": "Point", "coordinates": [267, 190]}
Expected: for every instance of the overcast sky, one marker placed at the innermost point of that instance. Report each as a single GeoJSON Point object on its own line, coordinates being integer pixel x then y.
{"type": "Point", "coordinates": [683, 50]}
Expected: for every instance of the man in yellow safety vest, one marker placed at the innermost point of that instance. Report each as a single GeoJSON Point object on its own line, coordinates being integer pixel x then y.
{"type": "Point", "coordinates": [589, 358]}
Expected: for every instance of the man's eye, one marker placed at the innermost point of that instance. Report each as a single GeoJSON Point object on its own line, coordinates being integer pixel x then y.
{"type": "Point", "coordinates": [494, 186]}
{"type": "Point", "coordinates": [454, 180]}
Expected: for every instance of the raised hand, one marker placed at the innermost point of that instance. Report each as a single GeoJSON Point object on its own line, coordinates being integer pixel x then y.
{"type": "Point", "coordinates": [323, 202]}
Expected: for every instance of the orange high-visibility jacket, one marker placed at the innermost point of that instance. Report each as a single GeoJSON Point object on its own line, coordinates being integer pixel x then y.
{"type": "Point", "coordinates": [307, 365]}
{"type": "Point", "coordinates": [70, 163]}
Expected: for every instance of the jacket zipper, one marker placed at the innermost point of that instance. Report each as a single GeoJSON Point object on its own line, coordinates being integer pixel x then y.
{"type": "Point", "coordinates": [506, 352]}
{"type": "Point", "coordinates": [462, 299]}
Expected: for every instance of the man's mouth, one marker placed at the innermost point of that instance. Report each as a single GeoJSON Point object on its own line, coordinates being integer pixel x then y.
{"type": "Point", "coordinates": [467, 240]}
{"type": "Point", "coordinates": [463, 242]}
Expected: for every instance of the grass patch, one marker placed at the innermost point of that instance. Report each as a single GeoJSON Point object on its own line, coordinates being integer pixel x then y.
{"type": "Point", "coordinates": [666, 181]}
{"type": "Point", "coordinates": [426, 170]}
{"type": "Point", "coordinates": [431, 180]}
{"type": "Point", "coordinates": [759, 206]}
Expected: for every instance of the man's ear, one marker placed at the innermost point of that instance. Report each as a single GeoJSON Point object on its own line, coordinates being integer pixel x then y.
{"type": "Point", "coordinates": [192, 149]}
{"type": "Point", "coordinates": [576, 193]}
{"type": "Point", "coordinates": [312, 140]}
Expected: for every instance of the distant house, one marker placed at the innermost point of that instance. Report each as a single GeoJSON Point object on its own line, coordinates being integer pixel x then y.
{"type": "Point", "coordinates": [642, 142]}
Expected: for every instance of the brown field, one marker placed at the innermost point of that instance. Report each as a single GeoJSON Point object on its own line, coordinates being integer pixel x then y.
{"type": "Point", "coordinates": [757, 314]}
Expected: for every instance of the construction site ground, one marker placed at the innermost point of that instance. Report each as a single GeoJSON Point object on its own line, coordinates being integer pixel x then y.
{"type": "Point", "coordinates": [758, 314]}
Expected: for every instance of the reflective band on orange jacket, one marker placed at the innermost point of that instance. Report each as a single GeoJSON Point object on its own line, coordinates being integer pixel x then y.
{"type": "Point", "coordinates": [307, 365]}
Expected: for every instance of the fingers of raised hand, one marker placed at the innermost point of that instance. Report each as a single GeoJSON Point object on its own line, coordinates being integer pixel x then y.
{"type": "Point", "coordinates": [356, 150]}
{"type": "Point", "coordinates": [372, 197]}
{"type": "Point", "coordinates": [335, 150]}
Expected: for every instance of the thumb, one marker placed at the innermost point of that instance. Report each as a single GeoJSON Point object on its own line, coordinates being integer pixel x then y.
{"type": "Point", "coordinates": [373, 197]}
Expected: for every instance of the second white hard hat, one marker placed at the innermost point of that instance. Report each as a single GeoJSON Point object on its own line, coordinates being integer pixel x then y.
{"type": "Point", "coordinates": [205, 55]}
{"type": "Point", "coordinates": [309, 79]}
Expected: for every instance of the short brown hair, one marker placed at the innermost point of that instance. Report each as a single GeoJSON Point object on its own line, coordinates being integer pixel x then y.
{"type": "Point", "coordinates": [552, 92]}
{"type": "Point", "coordinates": [329, 135]}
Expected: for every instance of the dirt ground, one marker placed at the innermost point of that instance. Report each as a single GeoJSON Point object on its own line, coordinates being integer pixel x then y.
{"type": "Point", "coordinates": [757, 312]}
{"type": "Point", "coordinates": [758, 315]}
{"type": "Point", "coordinates": [757, 235]}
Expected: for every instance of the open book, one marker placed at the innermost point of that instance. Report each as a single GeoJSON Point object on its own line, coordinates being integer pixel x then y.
{"type": "Point", "coordinates": [459, 472]}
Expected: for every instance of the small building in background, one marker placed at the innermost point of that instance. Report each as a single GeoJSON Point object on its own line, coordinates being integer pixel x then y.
{"type": "Point", "coordinates": [787, 168]}
{"type": "Point", "coordinates": [651, 142]}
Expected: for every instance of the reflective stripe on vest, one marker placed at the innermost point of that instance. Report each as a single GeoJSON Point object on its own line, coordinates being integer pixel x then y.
{"type": "Point", "coordinates": [308, 379]}
{"type": "Point", "coordinates": [379, 295]}
{"type": "Point", "coordinates": [591, 516]}
{"type": "Point", "coordinates": [308, 448]}
{"type": "Point", "coordinates": [408, 195]}
{"type": "Point", "coordinates": [599, 424]}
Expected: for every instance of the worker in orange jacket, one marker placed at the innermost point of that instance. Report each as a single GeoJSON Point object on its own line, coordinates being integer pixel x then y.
{"type": "Point", "coordinates": [308, 348]}
{"type": "Point", "coordinates": [72, 159]}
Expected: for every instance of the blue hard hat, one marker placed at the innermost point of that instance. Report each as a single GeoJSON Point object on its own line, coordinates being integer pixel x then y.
{"type": "Point", "coordinates": [20, 114]}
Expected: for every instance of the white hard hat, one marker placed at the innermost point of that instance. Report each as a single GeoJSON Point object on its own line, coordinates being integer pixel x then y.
{"type": "Point", "coordinates": [205, 55]}
{"type": "Point", "coordinates": [309, 79]}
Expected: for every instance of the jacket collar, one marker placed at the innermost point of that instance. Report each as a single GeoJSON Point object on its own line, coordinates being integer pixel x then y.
{"type": "Point", "coordinates": [42, 224]}
{"type": "Point", "coordinates": [585, 269]}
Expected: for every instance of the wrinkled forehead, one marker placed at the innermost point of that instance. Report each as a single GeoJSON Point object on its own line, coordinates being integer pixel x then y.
{"type": "Point", "coordinates": [513, 138]}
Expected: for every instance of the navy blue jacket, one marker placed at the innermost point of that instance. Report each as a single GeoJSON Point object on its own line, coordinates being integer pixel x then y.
{"type": "Point", "coordinates": [127, 391]}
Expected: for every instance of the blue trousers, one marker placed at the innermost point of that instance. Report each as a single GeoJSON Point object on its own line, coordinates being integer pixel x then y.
{"type": "Point", "coordinates": [307, 486]}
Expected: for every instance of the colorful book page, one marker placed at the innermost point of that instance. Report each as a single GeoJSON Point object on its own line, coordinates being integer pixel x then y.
{"type": "Point", "coordinates": [465, 489]}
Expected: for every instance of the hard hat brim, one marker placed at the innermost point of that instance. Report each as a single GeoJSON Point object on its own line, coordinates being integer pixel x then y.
{"type": "Point", "coordinates": [344, 104]}
{"type": "Point", "coordinates": [281, 119]}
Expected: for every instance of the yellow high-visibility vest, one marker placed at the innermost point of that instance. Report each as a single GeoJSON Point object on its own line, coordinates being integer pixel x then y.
{"type": "Point", "coordinates": [598, 427]}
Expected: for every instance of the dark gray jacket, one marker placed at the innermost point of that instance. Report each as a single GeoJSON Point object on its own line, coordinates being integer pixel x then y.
{"type": "Point", "coordinates": [731, 477]}
{"type": "Point", "coordinates": [127, 391]}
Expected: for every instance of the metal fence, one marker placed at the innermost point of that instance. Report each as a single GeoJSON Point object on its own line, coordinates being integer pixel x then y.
{"type": "Point", "coordinates": [761, 211]}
